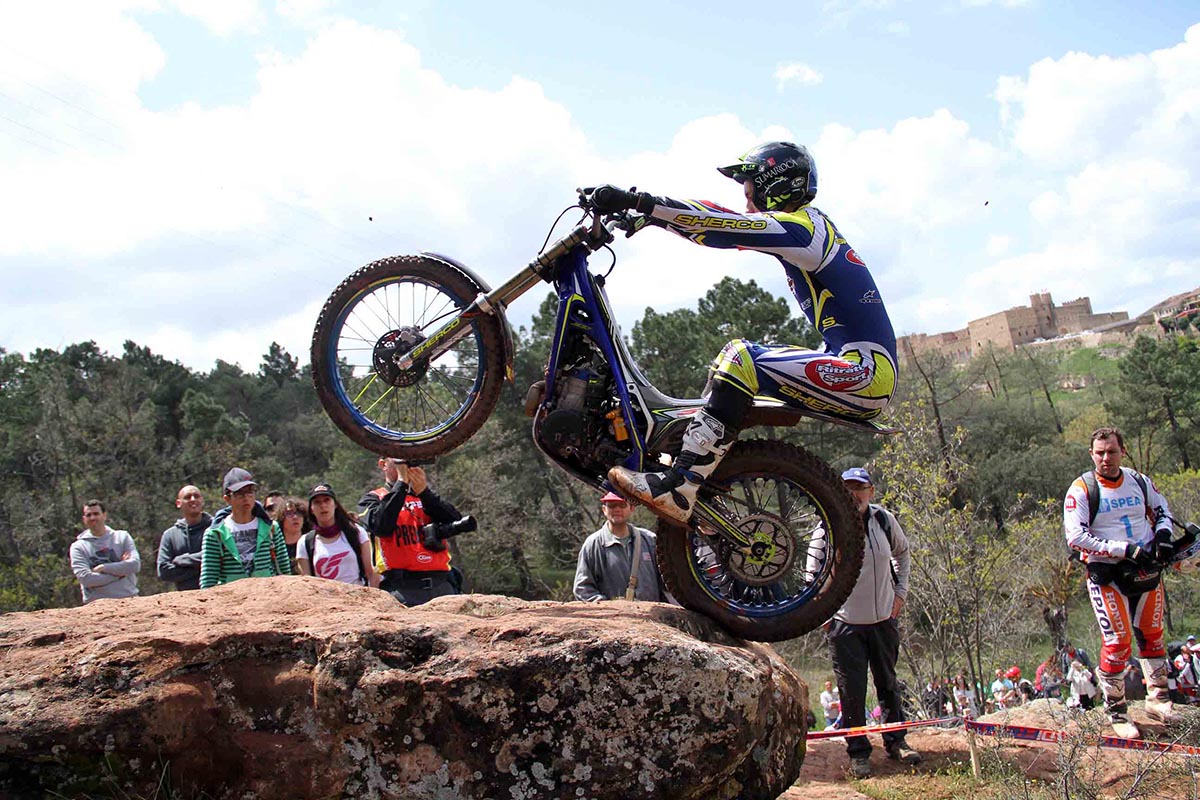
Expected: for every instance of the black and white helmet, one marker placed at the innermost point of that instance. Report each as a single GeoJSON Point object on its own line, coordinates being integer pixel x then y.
{"type": "Point", "coordinates": [783, 174]}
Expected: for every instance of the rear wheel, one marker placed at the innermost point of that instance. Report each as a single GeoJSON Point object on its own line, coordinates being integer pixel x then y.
{"type": "Point", "coordinates": [382, 311]}
{"type": "Point", "coordinates": [806, 545]}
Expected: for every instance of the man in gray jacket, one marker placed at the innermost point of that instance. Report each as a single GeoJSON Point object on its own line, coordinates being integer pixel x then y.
{"type": "Point", "coordinates": [182, 544]}
{"type": "Point", "coordinates": [865, 631]}
{"type": "Point", "coordinates": [105, 562]}
{"type": "Point", "coordinates": [607, 557]}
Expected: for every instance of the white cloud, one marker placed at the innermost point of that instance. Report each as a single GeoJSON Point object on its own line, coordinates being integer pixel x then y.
{"type": "Point", "coordinates": [928, 171]}
{"type": "Point", "coordinates": [998, 245]}
{"type": "Point", "coordinates": [99, 59]}
{"type": "Point", "coordinates": [1001, 3]}
{"type": "Point", "coordinates": [796, 72]}
{"type": "Point", "coordinates": [307, 13]}
{"type": "Point", "coordinates": [1115, 147]}
{"type": "Point", "coordinates": [154, 223]}
{"type": "Point", "coordinates": [223, 17]}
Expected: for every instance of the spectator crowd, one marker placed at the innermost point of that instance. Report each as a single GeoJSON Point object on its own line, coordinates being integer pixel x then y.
{"type": "Point", "coordinates": [395, 541]}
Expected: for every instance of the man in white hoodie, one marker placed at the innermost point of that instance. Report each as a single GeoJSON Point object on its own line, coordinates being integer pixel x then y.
{"type": "Point", "coordinates": [105, 562]}
{"type": "Point", "coordinates": [865, 632]}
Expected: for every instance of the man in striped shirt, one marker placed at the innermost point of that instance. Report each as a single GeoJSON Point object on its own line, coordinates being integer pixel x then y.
{"type": "Point", "coordinates": [242, 545]}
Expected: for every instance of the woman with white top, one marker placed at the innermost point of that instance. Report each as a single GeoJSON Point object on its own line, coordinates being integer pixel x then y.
{"type": "Point", "coordinates": [336, 548]}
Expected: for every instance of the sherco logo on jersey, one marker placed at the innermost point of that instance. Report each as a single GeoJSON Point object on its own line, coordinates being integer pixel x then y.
{"type": "Point", "coordinates": [1114, 503]}
{"type": "Point", "coordinates": [721, 222]}
{"type": "Point", "coordinates": [836, 375]}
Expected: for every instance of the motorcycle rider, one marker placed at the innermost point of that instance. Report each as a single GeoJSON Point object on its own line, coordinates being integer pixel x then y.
{"type": "Point", "coordinates": [1124, 534]}
{"type": "Point", "coordinates": [854, 376]}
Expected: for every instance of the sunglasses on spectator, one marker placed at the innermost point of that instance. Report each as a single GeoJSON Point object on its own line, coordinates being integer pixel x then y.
{"type": "Point", "coordinates": [293, 513]}
{"type": "Point", "coordinates": [269, 507]}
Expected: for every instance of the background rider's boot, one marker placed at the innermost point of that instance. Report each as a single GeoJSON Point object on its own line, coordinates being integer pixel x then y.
{"type": "Point", "coordinates": [1113, 688]}
{"type": "Point", "coordinates": [1158, 694]}
{"type": "Point", "coordinates": [672, 493]}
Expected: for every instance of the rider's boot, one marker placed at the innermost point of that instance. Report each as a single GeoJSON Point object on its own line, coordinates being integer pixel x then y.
{"type": "Point", "coordinates": [1112, 686]}
{"type": "Point", "coordinates": [672, 492]}
{"type": "Point", "coordinates": [1158, 693]}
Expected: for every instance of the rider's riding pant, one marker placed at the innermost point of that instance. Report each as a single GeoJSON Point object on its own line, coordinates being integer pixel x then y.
{"type": "Point", "coordinates": [858, 382]}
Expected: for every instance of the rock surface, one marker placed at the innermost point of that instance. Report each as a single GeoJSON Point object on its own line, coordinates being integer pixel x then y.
{"type": "Point", "coordinates": [304, 688]}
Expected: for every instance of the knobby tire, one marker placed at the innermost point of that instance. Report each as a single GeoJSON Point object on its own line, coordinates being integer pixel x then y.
{"type": "Point", "coordinates": [486, 339]}
{"type": "Point", "coordinates": [845, 529]}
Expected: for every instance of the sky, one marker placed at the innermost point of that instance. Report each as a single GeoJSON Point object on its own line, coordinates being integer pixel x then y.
{"type": "Point", "coordinates": [198, 175]}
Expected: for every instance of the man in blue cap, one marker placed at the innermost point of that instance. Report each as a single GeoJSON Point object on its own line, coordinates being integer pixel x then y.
{"type": "Point", "coordinates": [866, 630]}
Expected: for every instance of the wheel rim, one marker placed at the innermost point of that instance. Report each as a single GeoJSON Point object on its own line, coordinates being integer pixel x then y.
{"type": "Point", "coordinates": [790, 556]}
{"type": "Point", "coordinates": [389, 318]}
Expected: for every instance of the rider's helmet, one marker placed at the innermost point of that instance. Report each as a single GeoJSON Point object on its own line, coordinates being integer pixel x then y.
{"type": "Point", "coordinates": [783, 173]}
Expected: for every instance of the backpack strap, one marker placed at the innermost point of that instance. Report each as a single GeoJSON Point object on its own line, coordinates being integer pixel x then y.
{"type": "Point", "coordinates": [1093, 495]}
{"type": "Point", "coordinates": [1141, 482]}
{"type": "Point", "coordinates": [885, 522]}
{"type": "Point", "coordinates": [310, 539]}
{"type": "Point", "coordinates": [357, 548]}
{"type": "Point", "coordinates": [631, 590]}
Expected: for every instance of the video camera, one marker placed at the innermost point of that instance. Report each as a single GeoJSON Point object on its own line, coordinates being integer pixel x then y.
{"type": "Point", "coordinates": [436, 533]}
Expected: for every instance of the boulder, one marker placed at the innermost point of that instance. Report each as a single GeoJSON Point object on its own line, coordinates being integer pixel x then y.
{"type": "Point", "coordinates": [298, 687]}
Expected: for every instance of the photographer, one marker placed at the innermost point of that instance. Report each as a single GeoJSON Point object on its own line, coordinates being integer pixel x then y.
{"type": "Point", "coordinates": [415, 568]}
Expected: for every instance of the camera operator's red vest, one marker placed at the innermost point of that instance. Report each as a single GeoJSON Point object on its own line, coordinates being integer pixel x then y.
{"type": "Point", "coordinates": [403, 548]}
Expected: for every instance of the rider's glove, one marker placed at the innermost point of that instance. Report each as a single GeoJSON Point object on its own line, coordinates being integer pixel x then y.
{"type": "Point", "coordinates": [1163, 548]}
{"type": "Point", "coordinates": [1140, 556]}
{"type": "Point", "coordinates": [609, 198]}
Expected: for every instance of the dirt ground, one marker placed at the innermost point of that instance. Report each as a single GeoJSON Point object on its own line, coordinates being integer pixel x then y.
{"type": "Point", "coordinates": [945, 771]}
{"type": "Point", "coordinates": [825, 773]}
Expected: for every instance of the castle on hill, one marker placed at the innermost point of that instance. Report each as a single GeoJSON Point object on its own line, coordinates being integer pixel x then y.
{"type": "Point", "coordinates": [1042, 323]}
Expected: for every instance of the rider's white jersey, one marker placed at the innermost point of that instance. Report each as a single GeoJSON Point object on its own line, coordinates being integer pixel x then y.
{"type": "Point", "coordinates": [1121, 520]}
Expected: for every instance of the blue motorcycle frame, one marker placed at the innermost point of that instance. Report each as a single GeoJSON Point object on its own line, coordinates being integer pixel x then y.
{"type": "Point", "coordinates": [773, 546]}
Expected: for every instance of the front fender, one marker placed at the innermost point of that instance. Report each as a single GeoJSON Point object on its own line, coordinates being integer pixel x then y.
{"type": "Point", "coordinates": [498, 310]}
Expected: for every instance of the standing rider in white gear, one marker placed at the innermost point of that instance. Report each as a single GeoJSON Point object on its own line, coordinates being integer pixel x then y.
{"type": "Point", "coordinates": [1117, 519]}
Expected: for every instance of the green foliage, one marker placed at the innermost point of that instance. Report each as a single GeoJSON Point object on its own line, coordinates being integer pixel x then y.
{"type": "Point", "coordinates": [982, 456]}
{"type": "Point", "coordinates": [968, 580]}
{"type": "Point", "coordinates": [675, 349]}
{"type": "Point", "coordinates": [1157, 401]}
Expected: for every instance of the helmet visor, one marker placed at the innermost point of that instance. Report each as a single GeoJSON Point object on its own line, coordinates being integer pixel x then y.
{"type": "Point", "coordinates": [741, 172]}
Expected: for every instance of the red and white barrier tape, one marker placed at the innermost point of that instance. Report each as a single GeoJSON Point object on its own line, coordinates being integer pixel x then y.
{"type": "Point", "coordinates": [1029, 734]}
{"type": "Point", "coordinates": [830, 733]}
{"type": "Point", "coordinates": [1022, 732]}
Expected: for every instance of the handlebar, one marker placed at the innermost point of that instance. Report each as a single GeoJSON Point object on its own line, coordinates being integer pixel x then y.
{"type": "Point", "coordinates": [609, 221]}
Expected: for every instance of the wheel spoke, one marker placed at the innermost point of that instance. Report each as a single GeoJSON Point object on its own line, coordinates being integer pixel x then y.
{"type": "Point", "coordinates": [788, 552]}
{"type": "Point", "coordinates": [427, 397]}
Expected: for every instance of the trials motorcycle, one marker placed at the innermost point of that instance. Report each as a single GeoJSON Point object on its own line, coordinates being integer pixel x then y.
{"type": "Point", "coordinates": [409, 355]}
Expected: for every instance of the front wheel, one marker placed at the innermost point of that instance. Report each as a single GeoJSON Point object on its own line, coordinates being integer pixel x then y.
{"type": "Point", "coordinates": [806, 545]}
{"type": "Point", "coordinates": [382, 311]}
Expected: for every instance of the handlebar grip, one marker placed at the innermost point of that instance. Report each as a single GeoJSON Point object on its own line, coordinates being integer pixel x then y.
{"type": "Point", "coordinates": [610, 198]}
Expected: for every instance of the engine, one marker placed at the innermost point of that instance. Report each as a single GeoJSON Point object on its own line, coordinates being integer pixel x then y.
{"type": "Point", "coordinates": [584, 423]}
